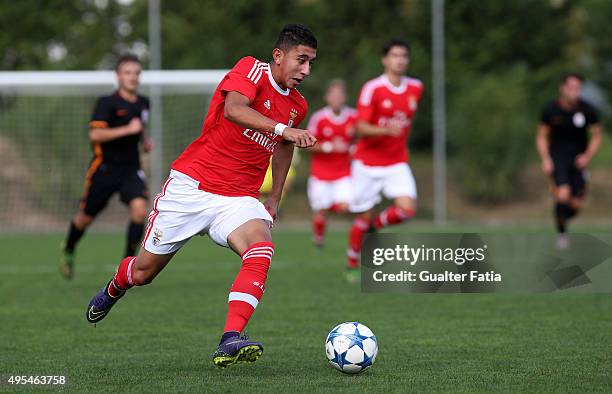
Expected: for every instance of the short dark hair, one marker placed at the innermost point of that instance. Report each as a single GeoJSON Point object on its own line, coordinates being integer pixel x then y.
{"type": "Point", "coordinates": [129, 58]}
{"type": "Point", "coordinates": [569, 75]}
{"type": "Point", "coordinates": [336, 82]}
{"type": "Point", "coordinates": [293, 35]}
{"type": "Point", "coordinates": [395, 42]}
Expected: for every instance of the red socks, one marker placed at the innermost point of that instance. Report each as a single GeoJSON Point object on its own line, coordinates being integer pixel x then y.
{"type": "Point", "coordinates": [318, 227]}
{"type": "Point", "coordinates": [249, 285]}
{"type": "Point", "coordinates": [123, 278]}
{"type": "Point", "coordinates": [358, 229]}
{"type": "Point", "coordinates": [392, 215]}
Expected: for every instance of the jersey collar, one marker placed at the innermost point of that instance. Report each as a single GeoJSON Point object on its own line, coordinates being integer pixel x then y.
{"type": "Point", "coordinates": [284, 92]}
{"type": "Point", "coordinates": [395, 89]}
{"type": "Point", "coordinates": [337, 119]}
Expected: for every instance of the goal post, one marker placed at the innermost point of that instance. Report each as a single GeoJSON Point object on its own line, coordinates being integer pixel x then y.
{"type": "Point", "coordinates": [44, 145]}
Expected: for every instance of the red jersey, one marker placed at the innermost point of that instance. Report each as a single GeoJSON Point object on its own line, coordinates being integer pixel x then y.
{"type": "Point", "coordinates": [229, 159]}
{"type": "Point", "coordinates": [382, 104]}
{"type": "Point", "coordinates": [339, 130]}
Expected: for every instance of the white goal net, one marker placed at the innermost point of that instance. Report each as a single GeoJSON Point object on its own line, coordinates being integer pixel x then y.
{"type": "Point", "coordinates": [44, 145]}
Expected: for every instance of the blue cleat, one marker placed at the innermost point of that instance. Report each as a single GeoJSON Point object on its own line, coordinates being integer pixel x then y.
{"type": "Point", "coordinates": [237, 349]}
{"type": "Point", "coordinates": [100, 305]}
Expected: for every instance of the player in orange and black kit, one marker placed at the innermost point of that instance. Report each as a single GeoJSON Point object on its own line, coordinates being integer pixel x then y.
{"type": "Point", "coordinates": [115, 131]}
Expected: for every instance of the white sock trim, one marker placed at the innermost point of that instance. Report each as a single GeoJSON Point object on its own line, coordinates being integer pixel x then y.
{"type": "Point", "coordinates": [129, 271]}
{"type": "Point", "coordinates": [244, 297]}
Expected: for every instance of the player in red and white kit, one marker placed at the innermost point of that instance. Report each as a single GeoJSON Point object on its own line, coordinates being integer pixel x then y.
{"type": "Point", "coordinates": [213, 186]}
{"type": "Point", "coordinates": [386, 107]}
{"type": "Point", "coordinates": [329, 183]}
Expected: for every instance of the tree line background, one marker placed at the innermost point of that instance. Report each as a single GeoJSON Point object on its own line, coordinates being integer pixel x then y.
{"type": "Point", "coordinates": [503, 59]}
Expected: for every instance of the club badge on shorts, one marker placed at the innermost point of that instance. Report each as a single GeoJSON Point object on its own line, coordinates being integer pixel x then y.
{"type": "Point", "coordinates": [157, 234]}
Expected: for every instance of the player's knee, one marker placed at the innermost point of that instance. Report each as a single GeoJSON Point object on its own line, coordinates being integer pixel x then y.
{"type": "Point", "coordinates": [142, 277]}
{"type": "Point", "coordinates": [407, 205]}
{"type": "Point", "coordinates": [364, 216]}
{"type": "Point", "coordinates": [249, 233]}
{"type": "Point", "coordinates": [341, 207]}
{"type": "Point", "coordinates": [138, 216]}
{"type": "Point", "coordinates": [82, 220]}
{"type": "Point", "coordinates": [576, 204]}
{"type": "Point", "coordinates": [138, 211]}
{"type": "Point", "coordinates": [563, 195]}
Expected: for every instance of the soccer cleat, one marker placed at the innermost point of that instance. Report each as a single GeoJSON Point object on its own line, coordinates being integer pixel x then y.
{"type": "Point", "coordinates": [563, 242]}
{"type": "Point", "coordinates": [318, 243]}
{"type": "Point", "coordinates": [66, 267]}
{"type": "Point", "coordinates": [236, 350]}
{"type": "Point", "coordinates": [352, 275]}
{"type": "Point", "coordinates": [100, 305]}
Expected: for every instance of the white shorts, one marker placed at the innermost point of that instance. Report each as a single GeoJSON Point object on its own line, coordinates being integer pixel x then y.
{"type": "Point", "coordinates": [323, 194]}
{"type": "Point", "coordinates": [181, 210]}
{"type": "Point", "coordinates": [368, 183]}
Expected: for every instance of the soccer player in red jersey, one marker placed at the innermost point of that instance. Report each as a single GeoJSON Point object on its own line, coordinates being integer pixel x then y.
{"type": "Point", "coordinates": [213, 185]}
{"type": "Point", "coordinates": [386, 107]}
{"type": "Point", "coordinates": [329, 184]}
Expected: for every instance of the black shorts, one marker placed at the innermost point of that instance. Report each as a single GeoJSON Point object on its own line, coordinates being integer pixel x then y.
{"type": "Point", "coordinates": [566, 173]}
{"type": "Point", "coordinates": [105, 180]}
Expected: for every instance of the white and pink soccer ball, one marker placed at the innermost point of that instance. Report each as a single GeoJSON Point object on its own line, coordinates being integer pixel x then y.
{"type": "Point", "coordinates": [351, 347]}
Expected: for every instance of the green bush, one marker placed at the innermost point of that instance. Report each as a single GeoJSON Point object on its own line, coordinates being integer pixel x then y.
{"type": "Point", "coordinates": [491, 132]}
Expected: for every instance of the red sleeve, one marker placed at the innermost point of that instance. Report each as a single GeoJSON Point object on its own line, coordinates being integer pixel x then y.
{"type": "Point", "coordinates": [365, 104]}
{"type": "Point", "coordinates": [421, 89]}
{"type": "Point", "coordinates": [313, 124]}
{"type": "Point", "coordinates": [238, 79]}
{"type": "Point", "coordinates": [302, 114]}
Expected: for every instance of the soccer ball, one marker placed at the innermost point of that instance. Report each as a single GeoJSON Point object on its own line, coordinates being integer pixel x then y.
{"type": "Point", "coordinates": [351, 347]}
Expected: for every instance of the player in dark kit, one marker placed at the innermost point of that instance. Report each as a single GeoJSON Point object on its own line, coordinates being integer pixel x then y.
{"type": "Point", "coordinates": [566, 150]}
{"type": "Point", "coordinates": [115, 130]}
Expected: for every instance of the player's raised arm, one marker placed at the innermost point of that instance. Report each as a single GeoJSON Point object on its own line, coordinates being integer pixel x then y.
{"type": "Point", "coordinates": [237, 110]}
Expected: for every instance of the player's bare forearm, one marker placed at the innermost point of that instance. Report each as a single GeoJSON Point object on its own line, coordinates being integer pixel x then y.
{"type": "Point", "coordinates": [542, 141]}
{"type": "Point", "coordinates": [319, 147]}
{"type": "Point", "coordinates": [281, 161]}
{"type": "Point", "coordinates": [237, 110]}
{"type": "Point", "coordinates": [108, 134]}
{"type": "Point", "coordinates": [595, 141]}
{"type": "Point", "coordinates": [147, 142]}
{"type": "Point", "coordinates": [101, 135]}
{"type": "Point", "coordinates": [365, 129]}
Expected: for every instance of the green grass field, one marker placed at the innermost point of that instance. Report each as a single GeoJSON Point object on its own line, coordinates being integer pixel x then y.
{"type": "Point", "coordinates": [160, 337]}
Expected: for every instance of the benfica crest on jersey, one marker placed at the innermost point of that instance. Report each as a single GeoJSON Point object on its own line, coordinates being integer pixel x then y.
{"type": "Point", "coordinates": [292, 115]}
{"type": "Point", "coordinates": [413, 103]}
